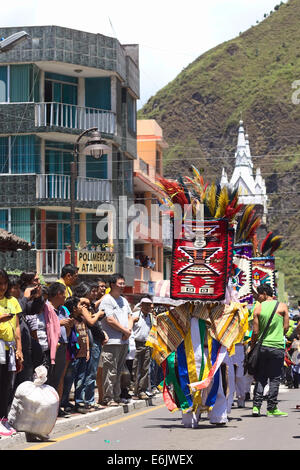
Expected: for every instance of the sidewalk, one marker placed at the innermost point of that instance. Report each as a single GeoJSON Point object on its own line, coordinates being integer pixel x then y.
{"type": "Point", "coordinates": [77, 420]}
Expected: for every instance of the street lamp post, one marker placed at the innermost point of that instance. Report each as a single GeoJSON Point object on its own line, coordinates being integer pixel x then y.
{"type": "Point", "coordinates": [11, 41]}
{"type": "Point", "coordinates": [94, 147]}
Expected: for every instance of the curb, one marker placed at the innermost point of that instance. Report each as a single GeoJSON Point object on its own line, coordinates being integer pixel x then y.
{"type": "Point", "coordinates": [74, 423]}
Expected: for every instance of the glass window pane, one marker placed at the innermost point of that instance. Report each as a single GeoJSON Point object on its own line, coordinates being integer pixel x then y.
{"type": "Point", "coordinates": [4, 164]}
{"type": "Point", "coordinates": [3, 84]}
{"type": "Point", "coordinates": [20, 83]}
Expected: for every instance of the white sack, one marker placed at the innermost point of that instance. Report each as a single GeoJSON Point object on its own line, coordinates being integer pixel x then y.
{"type": "Point", "coordinates": [35, 406]}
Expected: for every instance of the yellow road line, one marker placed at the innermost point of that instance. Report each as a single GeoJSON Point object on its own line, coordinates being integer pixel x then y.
{"type": "Point", "coordinates": [84, 431]}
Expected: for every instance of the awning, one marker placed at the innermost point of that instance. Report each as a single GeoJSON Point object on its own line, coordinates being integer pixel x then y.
{"type": "Point", "coordinates": [11, 242]}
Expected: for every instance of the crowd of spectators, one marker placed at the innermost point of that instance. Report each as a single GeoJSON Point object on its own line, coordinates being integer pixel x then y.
{"type": "Point", "coordinates": [87, 336]}
{"type": "Point", "coordinates": [145, 262]}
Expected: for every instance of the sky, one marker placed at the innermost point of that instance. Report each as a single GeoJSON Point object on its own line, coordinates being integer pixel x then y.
{"type": "Point", "coordinates": [170, 33]}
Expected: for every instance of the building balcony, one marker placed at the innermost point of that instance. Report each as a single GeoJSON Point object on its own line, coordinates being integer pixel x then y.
{"type": "Point", "coordinates": [146, 274]}
{"type": "Point", "coordinates": [54, 117]}
{"type": "Point", "coordinates": [49, 262]}
{"type": "Point", "coordinates": [34, 190]}
{"type": "Point", "coordinates": [59, 187]}
{"type": "Point", "coordinates": [74, 117]}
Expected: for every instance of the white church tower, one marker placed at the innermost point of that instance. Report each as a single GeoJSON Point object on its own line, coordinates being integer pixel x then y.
{"type": "Point", "coordinates": [252, 188]}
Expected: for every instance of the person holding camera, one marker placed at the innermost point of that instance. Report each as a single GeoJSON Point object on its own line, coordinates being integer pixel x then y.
{"type": "Point", "coordinates": [29, 291]}
{"type": "Point", "coordinates": [11, 355]}
{"type": "Point", "coordinates": [97, 338]}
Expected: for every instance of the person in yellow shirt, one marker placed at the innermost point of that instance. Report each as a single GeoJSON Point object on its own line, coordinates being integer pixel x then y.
{"type": "Point", "coordinates": [11, 357]}
{"type": "Point", "coordinates": [68, 277]}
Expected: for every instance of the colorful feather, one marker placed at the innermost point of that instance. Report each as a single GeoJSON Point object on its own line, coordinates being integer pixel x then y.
{"type": "Point", "coordinates": [243, 221]}
{"type": "Point", "coordinates": [232, 211]}
{"type": "Point", "coordinates": [173, 190]}
{"type": "Point", "coordinates": [185, 189]}
{"type": "Point", "coordinates": [211, 199]}
{"type": "Point", "coordinates": [223, 201]}
{"type": "Point", "coordinates": [252, 229]}
{"type": "Point", "coordinates": [275, 243]}
{"type": "Point", "coordinates": [265, 245]}
{"type": "Point", "coordinates": [199, 178]}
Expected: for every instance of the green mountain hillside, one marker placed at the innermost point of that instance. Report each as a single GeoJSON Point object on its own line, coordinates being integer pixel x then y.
{"type": "Point", "coordinates": [252, 77]}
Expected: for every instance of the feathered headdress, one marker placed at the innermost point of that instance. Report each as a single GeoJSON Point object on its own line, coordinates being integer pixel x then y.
{"type": "Point", "coordinates": [266, 244]}
{"type": "Point", "coordinates": [270, 244]}
{"type": "Point", "coordinates": [174, 191]}
{"type": "Point", "coordinates": [247, 225]}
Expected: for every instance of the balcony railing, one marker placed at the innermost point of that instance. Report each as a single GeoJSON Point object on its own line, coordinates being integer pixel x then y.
{"type": "Point", "coordinates": [74, 117]}
{"type": "Point", "coordinates": [50, 262]}
{"type": "Point", "coordinates": [146, 274]}
{"type": "Point", "coordinates": [59, 187]}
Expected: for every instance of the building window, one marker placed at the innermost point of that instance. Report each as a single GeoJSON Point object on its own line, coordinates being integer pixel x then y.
{"type": "Point", "coordinates": [21, 223]}
{"type": "Point", "coordinates": [3, 84]}
{"type": "Point", "coordinates": [131, 112]}
{"type": "Point", "coordinates": [4, 219]}
{"type": "Point", "coordinates": [58, 158]}
{"type": "Point", "coordinates": [96, 168]}
{"type": "Point", "coordinates": [19, 154]}
{"type": "Point", "coordinates": [128, 175]}
{"type": "Point", "coordinates": [60, 88]}
{"type": "Point", "coordinates": [58, 230]}
{"type": "Point", "coordinates": [98, 93]}
{"type": "Point", "coordinates": [19, 83]}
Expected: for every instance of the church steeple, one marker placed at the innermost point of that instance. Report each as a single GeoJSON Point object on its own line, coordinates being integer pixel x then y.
{"type": "Point", "coordinates": [242, 153]}
{"type": "Point", "coordinates": [252, 188]}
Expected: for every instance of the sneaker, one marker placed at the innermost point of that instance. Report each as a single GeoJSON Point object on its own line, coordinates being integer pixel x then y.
{"type": "Point", "coordinates": [5, 422]}
{"type": "Point", "coordinates": [143, 396]}
{"type": "Point", "coordinates": [276, 413]}
{"type": "Point", "coordinates": [4, 431]}
{"type": "Point", "coordinates": [255, 411]}
{"type": "Point", "coordinates": [149, 394]}
{"type": "Point", "coordinates": [63, 413]}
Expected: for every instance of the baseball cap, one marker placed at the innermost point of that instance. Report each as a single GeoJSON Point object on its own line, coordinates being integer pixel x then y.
{"type": "Point", "coordinates": [145, 300]}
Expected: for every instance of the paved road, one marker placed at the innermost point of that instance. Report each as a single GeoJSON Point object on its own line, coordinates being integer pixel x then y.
{"type": "Point", "coordinates": [154, 428]}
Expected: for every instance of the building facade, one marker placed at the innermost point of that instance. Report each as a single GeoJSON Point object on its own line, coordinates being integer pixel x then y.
{"type": "Point", "coordinates": [152, 239]}
{"type": "Point", "coordinates": [54, 86]}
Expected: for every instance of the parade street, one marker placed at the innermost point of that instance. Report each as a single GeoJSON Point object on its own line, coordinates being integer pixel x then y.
{"type": "Point", "coordinates": [155, 428]}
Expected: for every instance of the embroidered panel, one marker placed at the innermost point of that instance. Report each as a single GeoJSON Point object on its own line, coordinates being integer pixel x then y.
{"type": "Point", "coordinates": [200, 261]}
{"type": "Point", "coordinates": [263, 271]}
{"type": "Point", "coordinates": [241, 274]}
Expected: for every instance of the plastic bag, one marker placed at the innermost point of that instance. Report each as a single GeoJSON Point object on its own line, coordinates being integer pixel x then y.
{"type": "Point", "coordinates": [2, 352]}
{"type": "Point", "coordinates": [35, 406]}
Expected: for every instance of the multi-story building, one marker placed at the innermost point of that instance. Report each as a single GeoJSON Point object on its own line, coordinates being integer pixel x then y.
{"type": "Point", "coordinates": [54, 86]}
{"type": "Point", "coordinates": [152, 240]}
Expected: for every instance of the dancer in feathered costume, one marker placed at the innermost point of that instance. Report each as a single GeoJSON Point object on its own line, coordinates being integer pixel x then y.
{"type": "Point", "coordinates": [194, 342]}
